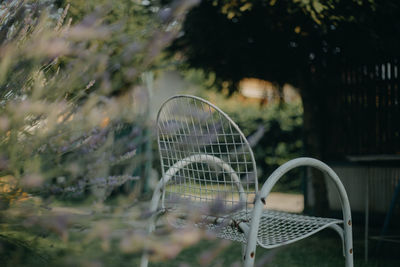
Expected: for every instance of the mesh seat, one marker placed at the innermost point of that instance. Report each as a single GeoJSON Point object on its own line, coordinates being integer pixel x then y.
{"type": "Point", "coordinates": [276, 228]}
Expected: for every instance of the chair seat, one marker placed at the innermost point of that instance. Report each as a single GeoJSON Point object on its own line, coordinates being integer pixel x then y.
{"type": "Point", "coordinates": [276, 228]}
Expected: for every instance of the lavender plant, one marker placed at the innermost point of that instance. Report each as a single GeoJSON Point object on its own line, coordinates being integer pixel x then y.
{"type": "Point", "coordinates": [72, 123]}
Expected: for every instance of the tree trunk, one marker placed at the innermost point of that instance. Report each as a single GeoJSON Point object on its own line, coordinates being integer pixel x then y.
{"type": "Point", "coordinates": [313, 119]}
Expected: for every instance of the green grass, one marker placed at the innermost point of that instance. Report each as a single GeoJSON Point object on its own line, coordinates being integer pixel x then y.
{"type": "Point", "coordinates": [322, 250]}
{"type": "Point", "coordinates": [21, 248]}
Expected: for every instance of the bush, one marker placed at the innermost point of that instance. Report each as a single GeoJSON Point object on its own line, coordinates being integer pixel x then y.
{"type": "Point", "coordinates": [73, 119]}
{"type": "Point", "coordinates": [279, 124]}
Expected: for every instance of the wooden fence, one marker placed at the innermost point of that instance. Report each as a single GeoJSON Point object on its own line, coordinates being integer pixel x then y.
{"type": "Point", "coordinates": [364, 111]}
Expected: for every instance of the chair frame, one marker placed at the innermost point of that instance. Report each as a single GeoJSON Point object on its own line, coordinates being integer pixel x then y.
{"type": "Point", "coordinates": [251, 232]}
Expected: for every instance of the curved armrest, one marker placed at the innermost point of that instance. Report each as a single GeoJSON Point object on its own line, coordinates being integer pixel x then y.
{"type": "Point", "coordinates": [266, 189]}
{"type": "Point", "coordinates": [197, 158]}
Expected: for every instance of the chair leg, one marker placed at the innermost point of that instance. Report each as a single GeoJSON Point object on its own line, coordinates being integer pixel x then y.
{"type": "Point", "coordinates": [144, 262]}
{"type": "Point", "coordinates": [145, 256]}
{"type": "Point", "coordinates": [246, 264]}
{"type": "Point", "coordinates": [152, 224]}
{"type": "Point", "coordinates": [339, 230]}
{"type": "Point", "coordinates": [348, 243]}
{"type": "Point", "coordinates": [243, 250]}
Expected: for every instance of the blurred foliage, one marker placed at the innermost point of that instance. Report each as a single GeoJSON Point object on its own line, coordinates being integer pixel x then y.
{"type": "Point", "coordinates": [279, 124]}
{"type": "Point", "coordinates": [281, 141]}
{"type": "Point", "coordinates": [319, 11]}
{"type": "Point", "coordinates": [73, 117]}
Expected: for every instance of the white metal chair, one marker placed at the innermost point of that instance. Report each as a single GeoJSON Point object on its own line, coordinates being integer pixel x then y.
{"type": "Point", "coordinates": [207, 161]}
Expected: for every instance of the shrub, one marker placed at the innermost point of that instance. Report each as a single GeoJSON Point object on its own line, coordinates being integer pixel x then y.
{"type": "Point", "coordinates": [73, 116]}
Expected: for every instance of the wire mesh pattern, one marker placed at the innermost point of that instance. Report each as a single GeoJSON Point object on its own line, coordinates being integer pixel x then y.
{"type": "Point", "coordinates": [276, 228]}
{"type": "Point", "coordinates": [216, 163]}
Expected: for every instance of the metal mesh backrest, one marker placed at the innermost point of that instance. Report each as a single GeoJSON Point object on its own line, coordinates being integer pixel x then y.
{"type": "Point", "coordinates": [210, 159]}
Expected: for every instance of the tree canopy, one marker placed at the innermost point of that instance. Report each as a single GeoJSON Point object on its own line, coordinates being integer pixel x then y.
{"type": "Point", "coordinates": [285, 41]}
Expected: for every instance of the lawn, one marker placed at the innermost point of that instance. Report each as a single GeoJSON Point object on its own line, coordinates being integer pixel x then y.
{"type": "Point", "coordinates": [323, 249]}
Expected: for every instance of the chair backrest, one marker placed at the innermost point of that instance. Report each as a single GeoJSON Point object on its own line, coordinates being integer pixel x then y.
{"type": "Point", "coordinates": [204, 156]}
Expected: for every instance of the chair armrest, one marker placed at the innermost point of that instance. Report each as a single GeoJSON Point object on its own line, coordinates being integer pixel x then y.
{"type": "Point", "coordinates": [197, 158]}
{"type": "Point", "coordinates": [273, 179]}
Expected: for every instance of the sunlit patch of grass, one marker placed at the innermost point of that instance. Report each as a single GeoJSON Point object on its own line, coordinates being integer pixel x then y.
{"type": "Point", "coordinates": [209, 189]}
